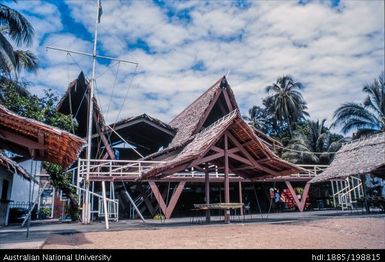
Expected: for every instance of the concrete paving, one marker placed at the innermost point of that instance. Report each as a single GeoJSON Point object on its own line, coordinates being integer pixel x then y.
{"type": "Point", "coordinates": [14, 237]}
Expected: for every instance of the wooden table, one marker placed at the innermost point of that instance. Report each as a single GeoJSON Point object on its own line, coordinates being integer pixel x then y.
{"type": "Point", "coordinates": [215, 206]}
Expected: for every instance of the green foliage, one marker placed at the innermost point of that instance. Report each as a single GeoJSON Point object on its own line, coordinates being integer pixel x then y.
{"type": "Point", "coordinates": [62, 180]}
{"type": "Point", "coordinates": [159, 217]}
{"type": "Point", "coordinates": [312, 143]}
{"type": "Point", "coordinates": [74, 213]}
{"type": "Point", "coordinates": [44, 212]}
{"type": "Point", "coordinates": [285, 101]}
{"type": "Point", "coordinates": [282, 117]}
{"type": "Point", "coordinates": [14, 96]}
{"type": "Point", "coordinates": [365, 118]}
{"type": "Point", "coordinates": [299, 190]}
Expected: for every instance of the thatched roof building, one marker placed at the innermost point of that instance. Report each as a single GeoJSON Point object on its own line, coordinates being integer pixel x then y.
{"type": "Point", "coordinates": [358, 157]}
{"type": "Point", "coordinates": [75, 103]}
{"type": "Point", "coordinates": [201, 131]}
{"type": "Point", "coordinates": [37, 140]}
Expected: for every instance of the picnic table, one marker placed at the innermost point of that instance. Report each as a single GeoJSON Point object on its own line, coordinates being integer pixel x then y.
{"type": "Point", "coordinates": [218, 206]}
{"type": "Point", "coordinates": [198, 208]}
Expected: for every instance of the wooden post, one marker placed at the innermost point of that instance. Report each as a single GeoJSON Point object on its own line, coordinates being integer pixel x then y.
{"type": "Point", "coordinates": [207, 192]}
{"type": "Point", "coordinates": [240, 195]}
{"type": "Point", "coordinates": [167, 210]}
{"type": "Point", "coordinates": [220, 194]}
{"type": "Point", "coordinates": [227, 182]}
{"type": "Point", "coordinates": [366, 204]}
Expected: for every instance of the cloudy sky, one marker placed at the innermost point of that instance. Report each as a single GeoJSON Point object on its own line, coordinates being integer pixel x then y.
{"type": "Point", "coordinates": [183, 47]}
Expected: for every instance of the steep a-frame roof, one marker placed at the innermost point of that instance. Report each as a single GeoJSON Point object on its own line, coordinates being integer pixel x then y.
{"type": "Point", "coordinates": [75, 102]}
{"type": "Point", "coordinates": [249, 156]}
{"type": "Point", "coordinates": [193, 118]}
{"type": "Point", "coordinates": [201, 129]}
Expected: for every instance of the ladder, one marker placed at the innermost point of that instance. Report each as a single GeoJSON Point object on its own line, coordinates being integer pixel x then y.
{"type": "Point", "coordinates": [138, 202]}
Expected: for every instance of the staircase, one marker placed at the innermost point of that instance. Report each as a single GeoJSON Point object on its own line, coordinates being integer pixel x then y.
{"type": "Point", "coordinates": [139, 202]}
{"type": "Point", "coordinates": [347, 192]}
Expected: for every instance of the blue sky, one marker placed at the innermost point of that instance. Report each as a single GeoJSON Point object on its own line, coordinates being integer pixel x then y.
{"type": "Point", "coordinates": [183, 47]}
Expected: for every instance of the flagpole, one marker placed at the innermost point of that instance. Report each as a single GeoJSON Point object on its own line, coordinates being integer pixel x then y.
{"type": "Point", "coordinates": [87, 213]}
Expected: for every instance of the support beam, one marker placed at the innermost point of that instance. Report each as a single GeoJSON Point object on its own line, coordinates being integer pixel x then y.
{"type": "Point", "coordinates": [207, 112]}
{"type": "Point", "coordinates": [147, 201]}
{"type": "Point", "coordinates": [240, 195]}
{"type": "Point", "coordinates": [101, 134]}
{"type": "Point", "coordinates": [20, 140]}
{"type": "Point", "coordinates": [240, 159]}
{"type": "Point", "coordinates": [207, 193]}
{"type": "Point", "coordinates": [40, 139]}
{"type": "Point", "coordinates": [227, 99]}
{"type": "Point", "coordinates": [206, 159]}
{"type": "Point", "coordinates": [249, 157]}
{"type": "Point", "coordinates": [300, 203]}
{"type": "Point", "coordinates": [227, 183]}
{"type": "Point", "coordinates": [216, 149]}
{"type": "Point", "coordinates": [167, 210]}
{"type": "Point", "coordinates": [105, 204]}
{"type": "Point", "coordinates": [106, 143]}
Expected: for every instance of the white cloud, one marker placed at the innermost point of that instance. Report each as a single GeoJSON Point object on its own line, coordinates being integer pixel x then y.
{"type": "Point", "coordinates": [333, 52]}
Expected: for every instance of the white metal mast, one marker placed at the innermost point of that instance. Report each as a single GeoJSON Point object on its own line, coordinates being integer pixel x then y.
{"type": "Point", "coordinates": [87, 217]}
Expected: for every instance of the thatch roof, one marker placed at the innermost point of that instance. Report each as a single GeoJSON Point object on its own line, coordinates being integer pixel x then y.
{"type": "Point", "coordinates": [197, 133]}
{"type": "Point", "coordinates": [37, 140]}
{"type": "Point", "coordinates": [187, 122]}
{"type": "Point", "coordinates": [75, 101]}
{"type": "Point", "coordinates": [201, 142]}
{"type": "Point", "coordinates": [357, 157]}
{"type": "Point", "coordinates": [13, 167]}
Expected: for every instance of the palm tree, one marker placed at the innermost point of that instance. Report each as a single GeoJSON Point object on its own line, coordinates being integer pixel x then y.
{"type": "Point", "coordinates": [285, 101]}
{"type": "Point", "coordinates": [366, 118]}
{"type": "Point", "coordinates": [16, 27]}
{"type": "Point", "coordinates": [312, 143]}
{"type": "Point", "coordinates": [258, 117]}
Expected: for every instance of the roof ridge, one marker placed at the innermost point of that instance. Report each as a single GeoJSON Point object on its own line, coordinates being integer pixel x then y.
{"type": "Point", "coordinates": [217, 83]}
{"type": "Point", "coordinates": [382, 134]}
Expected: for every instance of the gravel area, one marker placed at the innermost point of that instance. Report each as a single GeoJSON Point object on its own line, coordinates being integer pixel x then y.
{"type": "Point", "coordinates": [336, 233]}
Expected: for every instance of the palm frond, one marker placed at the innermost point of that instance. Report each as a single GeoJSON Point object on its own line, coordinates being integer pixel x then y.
{"type": "Point", "coordinates": [25, 60]}
{"type": "Point", "coordinates": [19, 29]}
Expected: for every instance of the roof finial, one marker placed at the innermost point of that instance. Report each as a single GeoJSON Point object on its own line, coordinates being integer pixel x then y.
{"type": "Point", "coordinates": [228, 72]}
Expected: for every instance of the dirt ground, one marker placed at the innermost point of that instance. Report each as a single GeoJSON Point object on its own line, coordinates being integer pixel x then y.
{"type": "Point", "coordinates": [349, 233]}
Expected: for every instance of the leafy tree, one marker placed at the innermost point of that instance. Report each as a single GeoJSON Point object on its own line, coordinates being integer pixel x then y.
{"type": "Point", "coordinates": [259, 118]}
{"type": "Point", "coordinates": [285, 101]}
{"type": "Point", "coordinates": [368, 117]}
{"type": "Point", "coordinates": [312, 143]}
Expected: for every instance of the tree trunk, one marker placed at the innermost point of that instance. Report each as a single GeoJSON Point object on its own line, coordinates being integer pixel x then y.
{"type": "Point", "coordinates": [289, 127]}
